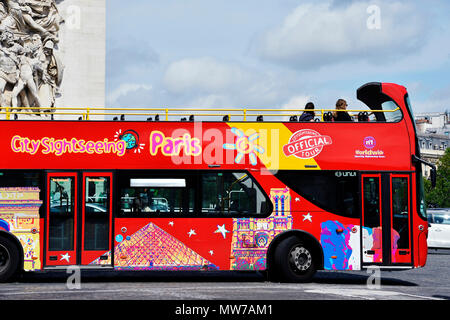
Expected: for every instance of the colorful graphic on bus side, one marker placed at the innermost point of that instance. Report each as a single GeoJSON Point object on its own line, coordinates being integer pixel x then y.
{"type": "Point", "coordinates": [19, 214]}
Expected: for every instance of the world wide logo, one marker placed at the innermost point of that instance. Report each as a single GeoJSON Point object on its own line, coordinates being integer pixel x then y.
{"type": "Point", "coordinates": [306, 144]}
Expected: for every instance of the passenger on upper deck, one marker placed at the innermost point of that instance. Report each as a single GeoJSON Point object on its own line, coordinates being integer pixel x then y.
{"type": "Point", "coordinates": [341, 104]}
{"type": "Point", "coordinates": [308, 115]}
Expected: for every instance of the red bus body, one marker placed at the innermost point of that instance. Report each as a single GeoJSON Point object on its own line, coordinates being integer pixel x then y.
{"type": "Point", "coordinates": [377, 155]}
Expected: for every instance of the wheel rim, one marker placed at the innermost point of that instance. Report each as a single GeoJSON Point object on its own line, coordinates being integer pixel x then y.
{"type": "Point", "coordinates": [4, 258]}
{"type": "Point", "coordinates": [300, 259]}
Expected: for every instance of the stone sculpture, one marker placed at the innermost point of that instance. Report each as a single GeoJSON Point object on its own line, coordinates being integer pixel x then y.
{"type": "Point", "coordinates": [30, 70]}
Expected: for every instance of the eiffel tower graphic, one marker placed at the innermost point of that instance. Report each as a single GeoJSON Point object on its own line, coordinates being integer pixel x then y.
{"type": "Point", "coordinates": [151, 248]}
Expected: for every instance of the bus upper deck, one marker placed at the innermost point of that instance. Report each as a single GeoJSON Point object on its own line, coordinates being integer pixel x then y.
{"type": "Point", "coordinates": [382, 136]}
{"type": "Point", "coordinates": [384, 109]}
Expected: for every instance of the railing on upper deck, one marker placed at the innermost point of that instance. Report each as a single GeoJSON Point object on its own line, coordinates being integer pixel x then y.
{"type": "Point", "coordinates": [170, 114]}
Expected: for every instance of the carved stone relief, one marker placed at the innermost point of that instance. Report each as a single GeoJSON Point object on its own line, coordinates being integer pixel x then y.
{"type": "Point", "coordinates": [30, 69]}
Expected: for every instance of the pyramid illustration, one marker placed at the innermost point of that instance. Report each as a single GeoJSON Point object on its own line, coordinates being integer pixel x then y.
{"type": "Point", "coordinates": [151, 248]}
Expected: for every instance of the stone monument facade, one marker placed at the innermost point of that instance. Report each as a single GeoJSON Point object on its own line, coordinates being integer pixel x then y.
{"type": "Point", "coordinates": [52, 55]}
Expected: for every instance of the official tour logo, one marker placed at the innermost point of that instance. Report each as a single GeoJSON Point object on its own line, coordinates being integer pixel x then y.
{"type": "Point", "coordinates": [306, 144]}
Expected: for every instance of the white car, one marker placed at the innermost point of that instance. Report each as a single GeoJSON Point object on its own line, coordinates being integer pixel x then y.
{"type": "Point", "coordinates": [439, 232]}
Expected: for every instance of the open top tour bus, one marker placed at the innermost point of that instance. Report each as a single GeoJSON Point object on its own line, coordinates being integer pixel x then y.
{"type": "Point", "coordinates": [245, 190]}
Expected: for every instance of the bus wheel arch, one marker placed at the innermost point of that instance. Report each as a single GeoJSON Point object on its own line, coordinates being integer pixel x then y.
{"type": "Point", "coordinates": [12, 249]}
{"type": "Point", "coordinates": [309, 242]}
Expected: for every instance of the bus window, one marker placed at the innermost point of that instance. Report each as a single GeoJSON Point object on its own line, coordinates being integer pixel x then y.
{"type": "Point", "coordinates": [61, 224]}
{"type": "Point", "coordinates": [14, 179]}
{"type": "Point", "coordinates": [400, 210]}
{"type": "Point", "coordinates": [96, 213]}
{"type": "Point", "coordinates": [393, 112]}
{"type": "Point", "coordinates": [372, 210]}
{"type": "Point", "coordinates": [157, 194]}
{"type": "Point", "coordinates": [231, 193]}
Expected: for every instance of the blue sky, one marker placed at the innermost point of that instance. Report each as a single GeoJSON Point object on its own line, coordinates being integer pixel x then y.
{"type": "Point", "coordinates": [274, 54]}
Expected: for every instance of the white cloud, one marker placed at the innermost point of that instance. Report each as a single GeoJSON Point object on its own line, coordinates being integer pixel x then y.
{"type": "Point", "coordinates": [318, 34]}
{"type": "Point", "coordinates": [298, 101]}
{"type": "Point", "coordinates": [124, 90]}
{"type": "Point", "coordinates": [210, 82]}
{"type": "Point", "coordinates": [438, 105]}
{"type": "Point", "coordinates": [130, 55]}
{"type": "Point", "coordinates": [203, 74]}
{"type": "Point", "coordinates": [437, 100]}
{"type": "Point", "coordinates": [211, 101]}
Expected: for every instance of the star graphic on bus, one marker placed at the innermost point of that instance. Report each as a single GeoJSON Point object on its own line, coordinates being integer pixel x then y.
{"type": "Point", "coordinates": [65, 257]}
{"type": "Point", "coordinates": [245, 145]}
{"type": "Point", "coordinates": [221, 229]}
{"type": "Point", "coordinates": [192, 233]}
{"type": "Point", "coordinates": [307, 217]}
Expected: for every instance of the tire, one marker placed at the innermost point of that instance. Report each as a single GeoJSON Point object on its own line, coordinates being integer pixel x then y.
{"type": "Point", "coordinates": [9, 259]}
{"type": "Point", "coordinates": [294, 261]}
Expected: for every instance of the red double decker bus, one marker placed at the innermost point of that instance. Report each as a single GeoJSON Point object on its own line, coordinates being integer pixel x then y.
{"type": "Point", "coordinates": [230, 193]}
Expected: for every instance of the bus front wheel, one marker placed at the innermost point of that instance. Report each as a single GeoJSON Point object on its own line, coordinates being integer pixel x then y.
{"type": "Point", "coordinates": [294, 261]}
{"type": "Point", "coordinates": [9, 259]}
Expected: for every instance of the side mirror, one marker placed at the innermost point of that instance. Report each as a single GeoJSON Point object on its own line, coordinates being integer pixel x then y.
{"type": "Point", "coordinates": [433, 173]}
{"type": "Point", "coordinates": [433, 176]}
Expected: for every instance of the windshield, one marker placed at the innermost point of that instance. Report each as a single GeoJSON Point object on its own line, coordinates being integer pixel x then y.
{"type": "Point", "coordinates": [408, 105]}
{"type": "Point", "coordinates": [421, 204]}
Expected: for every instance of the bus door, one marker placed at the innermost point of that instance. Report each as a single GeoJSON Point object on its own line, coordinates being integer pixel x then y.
{"type": "Point", "coordinates": [372, 239]}
{"type": "Point", "coordinates": [79, 218]}
{"type": "Point", "coordinates": [400, 218]}
{"type": "Point", "coordinates": [386, 219]}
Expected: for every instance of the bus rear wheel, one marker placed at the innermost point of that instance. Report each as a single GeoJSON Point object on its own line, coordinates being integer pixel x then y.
{"type": "Point", "coordinates": [9, 259]}
{"type": "Point", "coordinates": [294, 261]}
